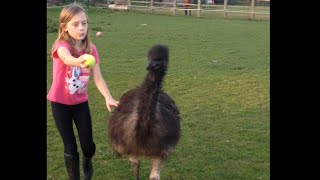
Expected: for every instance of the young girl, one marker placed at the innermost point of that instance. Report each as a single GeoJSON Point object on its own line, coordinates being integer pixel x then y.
{"type": "Point", "coordinates": [68, 92]}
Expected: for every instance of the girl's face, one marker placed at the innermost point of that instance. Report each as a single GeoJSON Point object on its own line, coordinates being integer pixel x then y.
{"type": "Point", "coordinates": [77, 26]}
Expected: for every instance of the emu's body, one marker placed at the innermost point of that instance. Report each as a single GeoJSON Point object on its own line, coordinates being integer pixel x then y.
{"type": "Point", "coordinates": [146, 122]}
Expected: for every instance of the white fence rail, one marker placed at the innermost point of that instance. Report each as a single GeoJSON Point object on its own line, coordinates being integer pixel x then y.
{"type": "Point", "coordinates": [199, 8]}
{"type": "Point", "coordinates": [251, 9]}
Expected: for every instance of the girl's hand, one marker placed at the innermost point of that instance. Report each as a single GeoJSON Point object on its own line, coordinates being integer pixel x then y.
{"type": "Point", "coordinates": [111, 103]}
{"type": "Point", "coordinates": [81, 62]}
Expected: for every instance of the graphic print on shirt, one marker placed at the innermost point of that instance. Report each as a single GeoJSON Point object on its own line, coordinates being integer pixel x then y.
{"type": "Point", "coordinates": [74, 83]}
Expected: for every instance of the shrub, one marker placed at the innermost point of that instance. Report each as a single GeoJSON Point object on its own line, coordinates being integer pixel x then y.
{"type": "Point", "coordinates": [52, 25]}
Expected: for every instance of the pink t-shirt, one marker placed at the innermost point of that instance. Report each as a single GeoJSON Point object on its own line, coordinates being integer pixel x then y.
{"type": "Point", "coordinates": [69, 84]}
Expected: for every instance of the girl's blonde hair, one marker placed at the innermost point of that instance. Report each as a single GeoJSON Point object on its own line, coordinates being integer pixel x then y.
{"type": "Point", "coordinates": [66, 15]}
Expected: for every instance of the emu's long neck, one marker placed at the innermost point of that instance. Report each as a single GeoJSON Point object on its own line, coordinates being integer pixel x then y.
{"type": "Point", "coordinates": [149, 92]}
{"type": "Point", "coordinates": [148, 99]}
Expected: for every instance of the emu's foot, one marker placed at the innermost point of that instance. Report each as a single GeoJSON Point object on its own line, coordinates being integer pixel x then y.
{"type": "Point", "coordinates": [154, 177]}
{"type": "Point", "coordinates": [135, 164]}
{"type": "Point", "coordinates": [155, 170]}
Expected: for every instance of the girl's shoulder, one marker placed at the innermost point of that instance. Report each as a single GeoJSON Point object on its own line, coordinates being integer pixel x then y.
{"type": "Point", "coordinates": [61, 44]}
{"type": "Point", "coordinates": [93, 47]}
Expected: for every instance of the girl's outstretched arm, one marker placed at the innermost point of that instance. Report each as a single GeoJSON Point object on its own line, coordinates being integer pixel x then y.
{"type": "Point", "coordinates": [103, 88]}
{"type": "Point", "coordinates": [65, 55]}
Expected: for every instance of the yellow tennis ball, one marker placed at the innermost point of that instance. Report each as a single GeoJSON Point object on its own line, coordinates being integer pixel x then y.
{"type": "Point", "coordinates": [90, 60]}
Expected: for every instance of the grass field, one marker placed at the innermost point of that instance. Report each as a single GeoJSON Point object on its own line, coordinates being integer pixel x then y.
{"type": "Point", "coordinates": [219, 76]}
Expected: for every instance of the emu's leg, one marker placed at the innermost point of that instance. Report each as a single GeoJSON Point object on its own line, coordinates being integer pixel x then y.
{"type": "Point", "coordinates": [155, 171]}
{"type": "Point", "coordinates": [135, 163]}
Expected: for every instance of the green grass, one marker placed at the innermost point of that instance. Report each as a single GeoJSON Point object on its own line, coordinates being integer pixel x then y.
{"type": "Point", "coordinates": [219, 76]}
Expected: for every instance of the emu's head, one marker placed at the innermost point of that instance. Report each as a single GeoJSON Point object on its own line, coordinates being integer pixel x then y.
{"type": "Point", "coordinates": [158, 57]}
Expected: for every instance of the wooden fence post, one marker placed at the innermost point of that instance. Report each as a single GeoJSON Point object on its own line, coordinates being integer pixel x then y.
{"type": "Point", "coordinates": [129, 4]}
{"type": "Point", "coordinates": [152, 3]}
{"type": "Point", "coordinates": [252, 9]}
{"type": "Point", "coordinates": [225, 4]}
{"type": "Point", "coordinates": [199, 8]}
{"type": "Point", "coordinates": [174, 7]}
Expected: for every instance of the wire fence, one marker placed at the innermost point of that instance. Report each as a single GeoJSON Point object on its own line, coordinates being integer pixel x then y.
{"type": "Point", "coordinates": [250, 9]}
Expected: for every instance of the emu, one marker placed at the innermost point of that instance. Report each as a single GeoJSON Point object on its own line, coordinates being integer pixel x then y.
{"type": "Point", "coordinates": [146, 122]}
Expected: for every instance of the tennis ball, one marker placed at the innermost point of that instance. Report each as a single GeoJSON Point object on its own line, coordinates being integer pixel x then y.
{"type": "Point", "coordinates": [90, 60]}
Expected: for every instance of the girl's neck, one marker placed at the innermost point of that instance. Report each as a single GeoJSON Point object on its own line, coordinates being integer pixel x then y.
{"type": "Point", "coordinates": [78, 45]}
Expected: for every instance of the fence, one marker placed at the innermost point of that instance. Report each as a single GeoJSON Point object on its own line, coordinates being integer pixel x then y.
{"type": "Point", "coordinates": [251, 9]}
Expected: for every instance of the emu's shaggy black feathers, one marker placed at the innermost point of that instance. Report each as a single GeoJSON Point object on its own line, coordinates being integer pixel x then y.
{"type": "Point", "coordinates": [146, 121]}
